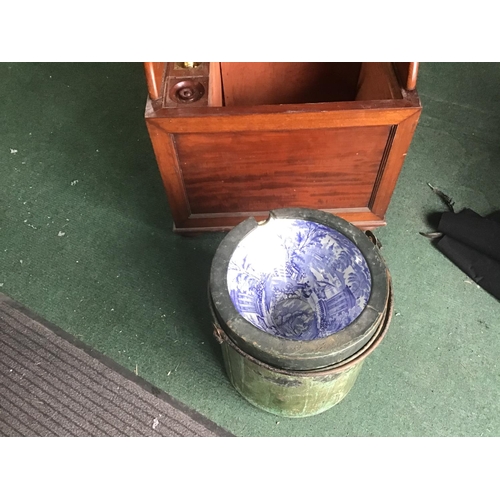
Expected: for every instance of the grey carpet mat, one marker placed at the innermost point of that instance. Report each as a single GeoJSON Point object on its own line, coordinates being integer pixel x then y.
{"type": "Point", "coordinates": [53, 385]}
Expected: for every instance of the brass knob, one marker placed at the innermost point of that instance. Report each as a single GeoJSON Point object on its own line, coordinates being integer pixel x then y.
{"type": "Point", "coordinates": [188, 65]}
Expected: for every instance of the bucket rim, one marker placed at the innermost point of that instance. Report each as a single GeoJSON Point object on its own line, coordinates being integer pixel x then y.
{"type": "Point", "coordinates": [296, 354]}
{"type": "Point", "coordinates": [346, 364]}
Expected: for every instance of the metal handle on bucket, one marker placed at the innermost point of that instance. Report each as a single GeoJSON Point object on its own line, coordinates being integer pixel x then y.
{"type": "Point", "coordinates": [217, 331]}
{"type": "Point", "coordinates": [373, 239]}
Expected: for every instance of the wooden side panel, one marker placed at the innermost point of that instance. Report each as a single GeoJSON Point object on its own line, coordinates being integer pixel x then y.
{"type": "Point", "coordinates": [377, 81]}
{"type": "Point", "coordinates": [248, 84]}
{"type": "Point", "coordinates": [154, 78]}
{"type": "Point", "coordinates": [220, 167]}
{"type": "Point", "coordinates": [391, 168]}
{"type": "Point", "coordinates": [166, 156]}
{"type": "Point", "coordinates": [258, 171]}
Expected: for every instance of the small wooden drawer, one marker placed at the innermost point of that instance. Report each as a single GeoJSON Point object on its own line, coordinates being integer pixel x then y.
{"type": "Point", "coordinates": [234, 140]}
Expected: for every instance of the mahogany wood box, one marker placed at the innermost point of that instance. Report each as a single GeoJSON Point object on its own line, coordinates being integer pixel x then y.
{"type": "Point", "coordinates": [234, 140]}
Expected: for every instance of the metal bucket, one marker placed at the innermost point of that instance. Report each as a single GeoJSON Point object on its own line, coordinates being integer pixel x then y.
{"type": "Point", "coordinates": [289, 377]}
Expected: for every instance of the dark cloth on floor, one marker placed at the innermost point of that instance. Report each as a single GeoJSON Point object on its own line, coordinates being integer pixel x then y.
{"type": "Point", "coordinates": [468, 227]}
{"type": "Point", "coordinates": [479, 267]}
{"type": "Point", "coordinates": [472, 243]}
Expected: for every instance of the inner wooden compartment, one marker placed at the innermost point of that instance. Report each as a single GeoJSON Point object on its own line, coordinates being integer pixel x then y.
{"type": "Point", "coordinates": [259, 83]}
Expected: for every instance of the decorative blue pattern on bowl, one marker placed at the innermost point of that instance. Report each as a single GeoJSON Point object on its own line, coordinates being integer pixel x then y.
{"type": "Point", "coordinates": [298, 279]}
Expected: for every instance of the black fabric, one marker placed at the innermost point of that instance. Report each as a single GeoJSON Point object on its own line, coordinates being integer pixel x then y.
{"type": "Point", "coordinates": [479, 267]}
{"type": "Point", "coordinates": [469, 228]}
{"type": "Point", "coordinates": [472, 243]}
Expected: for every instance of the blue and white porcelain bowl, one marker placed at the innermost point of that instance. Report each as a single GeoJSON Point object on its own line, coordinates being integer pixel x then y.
{"type": "Point", "coordinates": [298, 279]}
{"type": "Point", "coordinates": [298, 302]}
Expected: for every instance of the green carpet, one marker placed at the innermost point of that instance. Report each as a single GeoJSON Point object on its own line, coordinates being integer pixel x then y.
{"type": "Point", "coordinates": [86, 241]}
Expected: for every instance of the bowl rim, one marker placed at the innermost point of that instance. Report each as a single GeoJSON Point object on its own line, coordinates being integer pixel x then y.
{"type": "Point", "coordinates": [293, 354]}
{"type": "Point", "coordinates": [262, 240]}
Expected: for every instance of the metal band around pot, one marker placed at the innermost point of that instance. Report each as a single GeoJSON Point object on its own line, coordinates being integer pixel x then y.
{"type": "Point", "coordinates": [294, 354]}
{"type": "Point", "coordinates": [360, 355]}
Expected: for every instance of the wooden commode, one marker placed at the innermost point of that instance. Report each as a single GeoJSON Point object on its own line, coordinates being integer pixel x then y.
{"type": "Point", "coordinates": [234, 140]}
